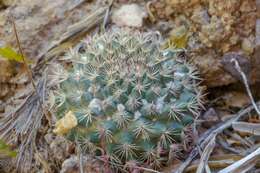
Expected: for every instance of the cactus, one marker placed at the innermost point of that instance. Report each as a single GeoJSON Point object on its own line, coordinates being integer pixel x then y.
{"type": "Point", "coordinates": [131, 100]}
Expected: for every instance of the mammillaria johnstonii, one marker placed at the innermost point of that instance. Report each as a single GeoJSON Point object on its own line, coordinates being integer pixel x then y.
{"type": "Point", "coordinates": [125, 99]}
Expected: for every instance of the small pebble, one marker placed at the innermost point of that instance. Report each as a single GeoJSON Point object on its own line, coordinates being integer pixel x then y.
{"type": "Point", "coordinates": [130, 15]}
{"type": "Point", "coordinates": [247, 46]}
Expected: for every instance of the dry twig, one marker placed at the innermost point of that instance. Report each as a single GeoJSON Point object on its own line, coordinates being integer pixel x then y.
{"type": "Point", "coordinates": [244, 164]}
{"type": "Point", "coordinates": [238, 68]}
{"type": "Point", "coordinates": [23, 123]}
{"type": "Point", "coordinates": [205, 155]}
{"type": "Point", "coordinates": [208, 135]}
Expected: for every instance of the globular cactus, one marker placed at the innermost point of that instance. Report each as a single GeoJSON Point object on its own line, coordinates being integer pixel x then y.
{"type": "Point", "coordinates": [126, 100]}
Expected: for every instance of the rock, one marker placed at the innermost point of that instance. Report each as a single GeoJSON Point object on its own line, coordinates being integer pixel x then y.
{"type": "Point", "coordinates": [247, 46]}
{"type": "Point", "coordinates": [7, 70]}
{"type": "Point", "coordinates": [211, 71]}
{"type": "Point", "coordinates": [236, 99]}
{"type": "Point", "coordinates": [214, 31]}
{"type": "Point", "coordinates": [215, 27]}
{"type": "Point", "coordinates": [6, 90]}
{"type": "Point", "coordinates": [200, 16]}
{"type": "Point", "coordinates": [90, 165]}
{"type": "Point", "coordinates": [164, 27]}
{"type": "Point", "coordinates": [39, 23]}
{"type": "Point", "coordinates": [229, 66]}
{"type": "Point", "coordinates": [130, 15]}
{"type": "Point", "coordinates": [70, 165]}
{"type": "Point", "coordinates": [234, 39]}
{"type": "Point", "coordinates": [59, 147]}
{"type": "Point", "coordinates": [246, 24]}
{"type": "Point", "coordinates": [179, 4]}
{"type": "Point", "coordinates": [258, 8]}
{"type": "Point", "coordinates": [210, 118]}
{"type": "Point", "coordinates": [248, 6]}
{"type": "Point", "coordinates": [194, 43]}
{"type": "Point", "coordinates": [218, 7]}
{"type": "Point", "coordinates": [2, 108]}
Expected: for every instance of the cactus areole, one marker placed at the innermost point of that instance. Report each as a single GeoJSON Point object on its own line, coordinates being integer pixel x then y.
{"type": "Point", "coordinates": [130, 99]}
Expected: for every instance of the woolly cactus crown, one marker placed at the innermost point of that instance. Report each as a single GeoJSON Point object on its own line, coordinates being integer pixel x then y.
{"type": "Point", "coordinates": [126, 99]}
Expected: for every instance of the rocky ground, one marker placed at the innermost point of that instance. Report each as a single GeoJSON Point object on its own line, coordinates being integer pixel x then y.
{"type": "Point", "coordinates": [213, 33]}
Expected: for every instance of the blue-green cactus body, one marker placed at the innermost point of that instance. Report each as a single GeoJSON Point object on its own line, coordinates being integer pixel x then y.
{"type": "Point", "coordinates": [131, 99]}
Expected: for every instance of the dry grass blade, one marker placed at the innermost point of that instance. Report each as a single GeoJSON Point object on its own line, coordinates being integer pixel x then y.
{"type": "Point", "coordinates": [205, 155]}
{"type": "Point", "coordinates": [216, 162]}
{"type": "Point", "coordinates": [225, 145]}
{"type": "Point", "coordinates": [150, 14]}
{"type": "Point", "coordinates": [29, 72]}
{"type": "Point", "coordinates": [251, 128]}
{"type": "Point", "coordinates": [244, 164]}
{"type": "Point", "coordinates": [43, 162]}
{"type": "Point", "coordinates": [23, 124]}
{"type": "Point", "coordinates": [236, 137]}
{"type": "Point", "coordinates": [85, 24]}
{"type": "Point", "coordinates": [208, 135]}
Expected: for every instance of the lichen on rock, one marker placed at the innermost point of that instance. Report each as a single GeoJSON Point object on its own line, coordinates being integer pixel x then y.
{"type": "Point", "coordinates": [65, 124]}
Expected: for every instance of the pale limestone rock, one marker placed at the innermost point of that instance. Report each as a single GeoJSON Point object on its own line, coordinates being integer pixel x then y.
{"type": "Point", "coordinates": [90, 165]}
{"type": "Point", "coordinates": [200, 16]}
{"type": "Point", "coordinates": [129, 15]}
{"type": "Point", "coordinates": [59, 146]}
{"type": "Point", "coordinates": [247, 46]}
